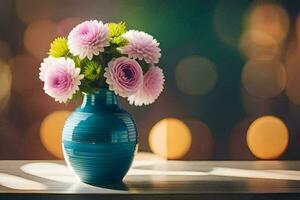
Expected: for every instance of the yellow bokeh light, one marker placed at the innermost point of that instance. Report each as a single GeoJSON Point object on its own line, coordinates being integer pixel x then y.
{"type": "Point", "coordinates": [170, 138]}
{"type": "Point", "coordinates": [267, 137]}
{"type": "Point", "coordinates": [51, 132]}
{"type": "Point", "coordinates": [38, 36]}
{"type": "Point", "coordinates": [5, 82]}
{"type": "Point", "coordinates": [196, 75]}
{"type": "Point", "coordinates": [264, 78]}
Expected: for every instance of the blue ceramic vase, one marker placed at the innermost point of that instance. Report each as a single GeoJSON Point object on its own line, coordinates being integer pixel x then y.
{"type": "Point", "coordinates": [99, 139]}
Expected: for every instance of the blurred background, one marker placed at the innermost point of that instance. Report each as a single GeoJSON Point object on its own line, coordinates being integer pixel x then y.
{"type": "Point", "coordinates": [232, 71]}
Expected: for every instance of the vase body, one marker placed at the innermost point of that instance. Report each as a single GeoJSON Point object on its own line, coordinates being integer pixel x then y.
{"type": "Point", "coordinates": [99, 139]}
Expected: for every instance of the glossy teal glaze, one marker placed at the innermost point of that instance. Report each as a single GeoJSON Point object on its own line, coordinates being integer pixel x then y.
{"type": "Point", "coordinates": [99, 139]}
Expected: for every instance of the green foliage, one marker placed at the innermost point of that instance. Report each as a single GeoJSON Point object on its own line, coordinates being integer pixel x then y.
{"type": "Point", "coordinates": [88, 87]}
{"type": "Point", "coordinates": [77, 97]}
{"type": "Point", "coordinates": [59, 47]}
{"type": "Point", "coordinates": [77, 61]}
{"type": "Point", "coordinates": [90, 69]}
{"type": "Point", "coordinates": [145, 66]}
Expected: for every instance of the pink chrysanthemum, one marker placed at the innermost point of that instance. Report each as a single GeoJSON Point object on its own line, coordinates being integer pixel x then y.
{"type": "Point", "coordinates": [124, 76]}
{"type": "Point", "coordinates": [142, 46]}
{"type": "Point", "coordinates": [45, 65]}
{"type": "Point", "coordinates": [88, 38]}
{"type": "Point", "coordinates": [62, 79]}
{"type": "Point", "coordinates": [152, 87]}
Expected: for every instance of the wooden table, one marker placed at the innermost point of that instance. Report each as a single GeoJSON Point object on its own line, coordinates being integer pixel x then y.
{"type": "Point", "coordinates": [156, 179]}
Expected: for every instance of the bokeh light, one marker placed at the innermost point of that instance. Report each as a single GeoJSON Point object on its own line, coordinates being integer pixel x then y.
{"type": "Point", "coordinates": [51, 132]}
{"type": "Point", "coordinates": [269, 18]}
{"type": "Point", "coordinates": [38, 36]}
{"type": "Point", "coordinates": [66, 25]}
{"type": "Point", "coordinates": [293, 73]}
{"type": "Point", "coordinates": [259, 45]}
{"type": "Point", "coordinates": [267, 137]}
{"type": "Point", "coordinates": [5, 83]}
{"type": "Point", "coordinates": [196, 75]}
{"type": "Point", "coordinates": [266, 28]}
{"type": "Point", "coordinates": [264, 78]}
{"type": "Point", "coordinates": [170, 138]}
{"type": "Point", "coordinates": [203, 142]}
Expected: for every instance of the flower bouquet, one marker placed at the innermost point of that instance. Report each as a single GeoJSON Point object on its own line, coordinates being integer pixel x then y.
{"type": "Point", "coordinates": [97, 55]}
{"type": "Point", "coordinates": [101, 61]}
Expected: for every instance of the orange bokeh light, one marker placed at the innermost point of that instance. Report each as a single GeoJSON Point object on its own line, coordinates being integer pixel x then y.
{"type": "Point", "coordinates": [266, 29]}
{"type": "Point", "coordinates": [267, 137]}
{"type": "Point", "coordinates": [38, 36]}
{"type": "Point", "coordinates": [271, 19]}
{"type": "Point", "coordinates": [170, 138]}
{"type": "Point", "coordinates": [51, 132]}
{"type": "Point", "coordinates": [255, 44]}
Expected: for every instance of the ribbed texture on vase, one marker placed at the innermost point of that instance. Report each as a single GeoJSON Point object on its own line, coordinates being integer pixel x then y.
{"type": "Point", "coordinates": [99, 140]}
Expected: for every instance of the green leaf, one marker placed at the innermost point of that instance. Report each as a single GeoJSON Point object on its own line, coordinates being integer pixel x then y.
{"type": "Point", "coordinates": [77, 97]}
{"type": "Point", "coordinates": [145, 66]}
{"type": "Point", "coordinates": [87, 88]}
{"type": "Point", "coordinates": [91, 70]}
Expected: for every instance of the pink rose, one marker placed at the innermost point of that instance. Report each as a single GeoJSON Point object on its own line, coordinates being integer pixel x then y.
{"type": "Point", "coordinates": [124, 76]}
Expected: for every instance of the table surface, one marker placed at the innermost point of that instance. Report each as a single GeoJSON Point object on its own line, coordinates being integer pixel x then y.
{"type": "Point", "coordinates": [150, 175]}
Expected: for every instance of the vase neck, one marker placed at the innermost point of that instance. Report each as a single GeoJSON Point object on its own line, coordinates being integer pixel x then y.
{"type": "Point", "coordinates": [102, 98]}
